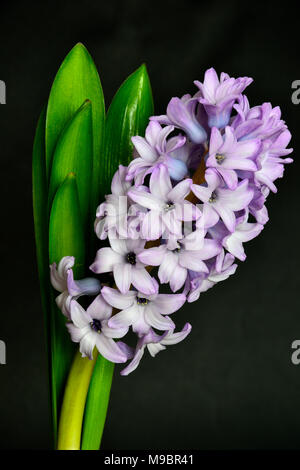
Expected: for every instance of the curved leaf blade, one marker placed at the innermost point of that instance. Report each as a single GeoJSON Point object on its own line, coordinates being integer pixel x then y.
{"type": "Point", "coordinates": [74, 154]}
{"type": "Point", "coordinates": [77, 80]}
{"type": "Point", "coordinates": [127, 116]}
{"type": "Point", "coordinates": [40, 215]}
{"type": "Point", "coordinates": [97, 404]}
{"type": "Point", "coordinates": [39, 198]}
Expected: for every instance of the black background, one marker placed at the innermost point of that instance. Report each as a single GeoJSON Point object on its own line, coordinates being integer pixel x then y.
{"type": "Point", "coordinates": [232, 383]}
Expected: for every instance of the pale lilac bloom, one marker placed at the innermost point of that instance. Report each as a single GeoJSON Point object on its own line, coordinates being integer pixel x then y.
{"type": "Point", "coordinates": [233, 242]}
{"type": "Point", "coordinates": [182, 113]}
{"type": "Point", "coordinates": [270, 164]}
{"type": "Point", "coordinates": [219, 96]}
{"type": "Point", "coordinates": [155, 343]}
{"type": "Point", "coordinates": [258, 122]}
{"type": "Point", "coordinates": [155, 149]}
{"type": "Point", "coordinates": [220, 271]}
{"type": "Point", "coordinates": [62, 280]}
{"type": "Point", "coordinates": [197, 243]}
{"type": "Point", "coordinates": [257, 205]}
{"type": "Point", "coordinates": [89, 328]}
{"type": "Point", "coordinates": [226, 155]}
{"type": "Point", "coordinates": [174, 261]}
{"type": "Point", "coordinates": [142, 311]}
{"type": "Point", "coordinates": [222, 202]}
{"type": "Point", "coordinates": [112, 214]}
{"type": "Point", "coordinates": [167, 205]}
{"type": "Point", "coordinates": [121, 258]}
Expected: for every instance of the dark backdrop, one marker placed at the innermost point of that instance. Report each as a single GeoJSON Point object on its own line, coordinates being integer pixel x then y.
{"type": "Point", "coordinates": [232, 383]}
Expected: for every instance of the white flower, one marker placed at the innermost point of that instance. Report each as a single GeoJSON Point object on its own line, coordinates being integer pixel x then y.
{"type": "Point", "coordinates": [89, 328]}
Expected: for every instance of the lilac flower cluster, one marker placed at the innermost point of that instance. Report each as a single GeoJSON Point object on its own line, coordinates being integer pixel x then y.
{"type": "Point", "coordinates": [168, 222]}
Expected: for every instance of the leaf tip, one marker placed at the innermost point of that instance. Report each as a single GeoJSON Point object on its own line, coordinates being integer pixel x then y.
{"type": "Point", "coordinates": [79, 46]}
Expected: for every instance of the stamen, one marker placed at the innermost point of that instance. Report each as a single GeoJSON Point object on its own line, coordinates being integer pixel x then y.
{"type": "Point", "coordinates": [131, 258]}
{"type": "Point", "coordinates": [169, 206]}
{"type": "Point", "coordinates": [96, 325]}
{"type": "Point", "coordinates": [220, 158]}
{"type": "Point", "coordinates": [213, 197]}
{"type": "Point", "coordinates": [142, 301]}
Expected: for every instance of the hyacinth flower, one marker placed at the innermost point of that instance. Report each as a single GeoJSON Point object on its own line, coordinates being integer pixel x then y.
{"type": "Point", "coordinates": [218, 95]}
{"type": "Point", "coordinates": [153, 203]}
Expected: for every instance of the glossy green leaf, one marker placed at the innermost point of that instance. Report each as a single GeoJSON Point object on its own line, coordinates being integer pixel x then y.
{"type": "Point", "coordinates": [74, 153]}
{"type": "Point", "coordinates": [40, 196]}
{"type": "Point", "coordinates": [76, 81]}
{"type": "Point", "coordinates": [97, 404]}
{"type": "Point", "coordinates": [128, 115]}
{"type": "Point", "coordinates": [66, 238]}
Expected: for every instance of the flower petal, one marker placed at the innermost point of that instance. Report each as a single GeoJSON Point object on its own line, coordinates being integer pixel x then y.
{"type": "Point", "coordinates": [124, 318]}
{"type": "Point", "coordinates": [152, 225]}
{"type": "Point", "coordinates": [169, 303]}
{"type": "Point", "coordinates": [77, 333]}
{"type": "Point", "coordinates": [160, 183]}
{"type": "Point", "coordinates": [142, 281]}
{"type": "Point", "coordinates": [123, 276]}
{"type": "Point", "coordinates": [167, 267]}
{"type": "Point", "coordinates": [79, 316]}
{"type": "Point", "coordinates": [180, 191]}
{"type": "Point", "coordinates": [116, 299]}
{"type": "Point", "coordinates": [87, 345]}
{"type": "Point", "coordinates": [156, 320]}
{"type": "Point", "coordinates": [99, 309]}
{"type": "Point", "coordinates": [174, 338]}
{"type": "Point", "coordinates": [145, 151]}
{"type": "Point", "coordinates": [105, 260]}
{"type": "Point", "coordinates": [153, 256]}
{"type": "Point", "coordinates": [178, 278]}
{"type": "Point", "coordinates": [145, 199]}
{"type": "Point", "coordinates": [134, 363]}
{"type": "Point", "coordinates": [109, 349]}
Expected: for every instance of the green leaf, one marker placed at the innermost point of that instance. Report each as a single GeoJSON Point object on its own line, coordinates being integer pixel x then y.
{"type": "Point", "coordinates": [128, 115]}
{"type": "Point", "coordinates": [74, 153]}
{"type": "Point", "coordinates": [76, 81]}
{"type": "Point", "coordinates": [97, 404]}
{"type": "Point", "coordinates": [66, 238]}
{"type": "Point", "coordinates": [40, 196]}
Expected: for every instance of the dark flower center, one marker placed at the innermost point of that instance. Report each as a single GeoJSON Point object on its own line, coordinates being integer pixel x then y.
{"type": "Point", "coordinates": [220, 158]}
{"type": "Point", "coordinates": [96, 325]}
{"type": "Point", "coordinates": [213, 197]}
{"type": "Point", "coordinates": [131, 258]}
{"type": "Point", "coordinates": [169, 206]}
{"type": "Point", "coordinates": [142, 301]}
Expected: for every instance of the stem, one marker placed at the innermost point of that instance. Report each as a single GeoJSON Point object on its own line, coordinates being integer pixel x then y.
{"type": "Point", "coordinates": [70, 423]}
{"type": "Point", "coordinates": [198, 178]}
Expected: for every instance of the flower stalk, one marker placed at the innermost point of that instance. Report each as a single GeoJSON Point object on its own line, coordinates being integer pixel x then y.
{"type": "Point", "coordinates": [72, 411]}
